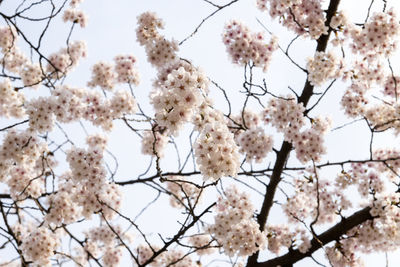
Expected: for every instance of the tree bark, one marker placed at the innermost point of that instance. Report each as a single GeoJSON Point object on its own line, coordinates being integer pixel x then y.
{"type": "Point", "coordinates": [286, 147]}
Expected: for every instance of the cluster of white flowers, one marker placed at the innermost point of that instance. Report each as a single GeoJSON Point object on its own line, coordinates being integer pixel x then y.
{"type": "Point", "coordinates": [216, 152]}
{"type": "Point", "coordinates": [255, 143]}
{"type": "Point", "coordinates": [310, 192]}
{"type": "Point", "coordinates": [63, 208]}
{"type": "Point", "coordinates": [75, 16]}
{"type": "Point", "coordinates": [21, 164]}
{"type": "Point", "coordinates": [354, 100]}
{"type": "Point", "coordinates": [171, 257]}
{"type": "Point", "coordinates": [391, 157]}
{"type": "Point", "coordinates": [309, 144]}
{"type": "Point", "coordinates": [112, 256]}
{"type": "Point", "coordinates": [338, 256]}
{"type": "Point", "coordinates": [286, 115]}
{"type": "Point", "coordinates": [102, 112]}
{"type": "Point", "coordinates": [367, 73]}
{"type": "Point", "coordinates": [126, 70]}
{"type": "Point", "coordinates": [379, 36]}
{"type": "Point", "coordinates": [392, 86]}
{"type": "Point", "coordinates": [252, 139]}
{"type": "Point", "coordinates": [244, 46]}
{"type": "Point", "coordinates": [378, 234]}
{"type": "Point", "coordinates": [103, 76]}
{"type": "Point", "coordinates": [201, 243]}
{"type": "Point", "coordinates": [39, 246]}
{"type": "Point", "coordinates": [40, 112]}
{"type": "Point", "coordinates": [206, 114]}
{"type": "Point", "coordinates": [159, 50]}
{"type": "Point", "coordinates": [154, 143]}
{"type": "Point", "coordinates": [71, 104]}
{"type": "Point", "coordinates": [234, 227]}
{"type": "Point", "coordinates": [180, 87]}
{"type": "Point", "coordinates": [147, 31]}
{"type": "Point", "coordinates": [25, 181]}
{"type": "Point", "coordinates": [340, 19]}
{"type": "Point", "coordinates": [8, 37]}
{"type": "Point", "coordinates": [324, 66]}
{"type": "Point", "coordinates": [107, 75]}
{"type": "Point", "coordinates": [366, 178]}
{"type": "Point", "coordinates": [15, 61]}
{"type": "Point", "coordinates": [31, 75]}
{"type": "Point", "coordinates": [104, 240]}
{"type": "Point", "coordinates": [11, 101]}
{"type": "Point", "coordinates": [84, 190]}
{"type": "Point", "coordinates": [178, 97]}
{"type": "Point", "coordinates": [182, 191]}
{"type": "Point", "coordinates": [65, 59]}
{"type": "Point", "coordinates": [383, 116]}
{"type": "Point", "coordinates": [302, 16]}
{"type": "Point", "coordinates": [281, 236]}
{"type": "Point", "coordinates": [242, 121]}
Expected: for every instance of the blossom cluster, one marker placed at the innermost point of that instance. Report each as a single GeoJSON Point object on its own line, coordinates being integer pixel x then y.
{"type": "Point", "coordinates": [309, 144]}
{"type": "Point", "coordinates": [378, 36]}
{"type": "Point", "coordinates": [63, 208]}
{"type": "Point", "coordinates": [281, 236]}
{"type": "Point", "coordinates": [94, 193]}
{"type": "Point", "coordinates": [234, 227]}
{"type": "Point", "coordinates": [379, 234]}
{"type": "Point", "coordinates": [392, 86]}
{"type": "Point", "coordinates": [206, 114]}
{"type": "Point", "coordinates": [244, 46]}
{"type": "Point", "coordinates": [216, 152]}
{"type": "Point", "coordinates": [247, 119]}
{"type": "Point", "coordinates": [61, 62]}
{"type": "Point", "coordinates": [316, 199]}
{"type": "Point", "coordinates": [365, 177]}
{"type": "Point", "coordinates": [389, 157]}
{"type": "Point", "coordinates": [322, 67]}
{"type": "Point", "coordinates": [39, 246]}
{"type": "Point", "coordinates": [104, 240]}
{"type": "Point", "coordinates": [252, 139]}
{"type": "Point", "coordinates": [75, 16]}
{"type": "Point", "coordinates": [177, 97]}
{"type": "Point", "coordinates": [84, 189]}
{"type": "Point", "coordinates": [68, 104]}
{"type": "Point", "coordinates": [339, 256]}
{"type": "Point", "coordinates": [354, 100]}
{"type": "Point", "coordinates": [107, 75]}
{"type": "Point", "coordinates": [159, 50]}
{"type": "Point", "coordinates": [11, 101]}
{"type": "Point", "coordinates": [15, 61]}
{"type": "Point", "coordinates": [23, 162]}
{"type": "Point", "coordinates": [383, 116]}
{"type": "Point", "coordinates": [154, 143]}
{"type": "Point", "coordinates": [179, 87]}
{"type": "Point", "coordinates": [301, 16]}
{"type": "Point", "coordinates": [255, 143]}
{"type": "Point", "coordinates": [286, 115]}
{"type": "Point", "coordinates": [171, 257]}
{"type": "Point", "coordinates": [8, 37]}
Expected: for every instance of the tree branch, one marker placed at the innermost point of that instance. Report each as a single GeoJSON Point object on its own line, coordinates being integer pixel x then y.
{"type": "Point", "coordinates": [329, 235]}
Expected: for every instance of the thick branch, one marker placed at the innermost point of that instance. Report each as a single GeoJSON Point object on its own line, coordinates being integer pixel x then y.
{"type": "Point", "coordinates": [333, 233]}
{"type": "Point", "coordinates": [286, 147]}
